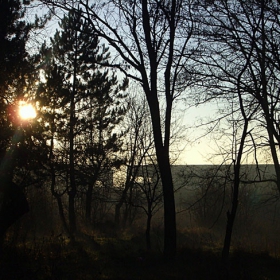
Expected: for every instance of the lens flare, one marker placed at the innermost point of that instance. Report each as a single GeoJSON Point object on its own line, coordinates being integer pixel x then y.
{"type": "Point", "coordinates": [27, 111]}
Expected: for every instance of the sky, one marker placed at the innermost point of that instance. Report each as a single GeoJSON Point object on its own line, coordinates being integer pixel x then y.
{"type": "Point", "coordinates": [193, 154]}
{"type": "Point", "coordinates": [197, 149]}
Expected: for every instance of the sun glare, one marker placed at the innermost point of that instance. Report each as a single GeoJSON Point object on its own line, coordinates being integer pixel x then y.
{"type": "Point", "coordinates": [27, 111]}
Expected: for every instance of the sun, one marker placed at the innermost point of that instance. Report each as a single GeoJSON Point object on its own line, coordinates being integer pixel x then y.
{"type": "Point", "coordinates": [27, 111]}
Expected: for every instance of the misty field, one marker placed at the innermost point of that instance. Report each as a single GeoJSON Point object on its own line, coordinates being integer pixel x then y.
{"type": "Point", "coordinates": [37, 247]}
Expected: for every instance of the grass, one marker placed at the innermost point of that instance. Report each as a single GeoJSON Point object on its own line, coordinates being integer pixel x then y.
{"type": "Point", "coordinates": [124, 258]}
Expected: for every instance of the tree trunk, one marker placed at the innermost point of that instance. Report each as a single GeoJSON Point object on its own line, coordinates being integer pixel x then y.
{"type": "Point", "coordinates": [148, 230]}
{"type": "Point", "coordinates": [88, 203]}
{"type": "Point", "coordinates": [72, 214]}
{"type": "Point", "coordinates": [231, 214]}
{"type": "Point", "coordinates": [120, 204]}
{"type": "Point", "coordinates": [229, 228]}
{"type": "Point", "coordinates": [130, 176]}
{"type": "Point", "coordinates": [72, 191]}
{"type": "Point", "coordinates": [273, 150]}
{"type": "Point", "coordinates": [162, 152]}
{"type": "Point", "coordinates": [61, 214]}
{"type": "Point", "coordinates": [128, 213]}
{"type": "Point", "coordinates": [169, 208]}
{"type": "Point", "coordinates": [89, 192]}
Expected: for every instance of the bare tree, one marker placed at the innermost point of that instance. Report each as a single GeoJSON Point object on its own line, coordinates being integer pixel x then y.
{"type": "Point", "coordinates": [138, 131]}
{"type": "Point", "coordinates": [151, 196]}
{"type": "Point", "coordinates": [151, 41]}
{"type": "Point", "coordinates": [240, 62]}
{"type": "Point", "coordinates": [240, 145]}
{"type": "Point", "coordinates": [241, 51]}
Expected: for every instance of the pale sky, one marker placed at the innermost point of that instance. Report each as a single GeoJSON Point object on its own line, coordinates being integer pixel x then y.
{"type": "Point", "coordinates": [196, 151]}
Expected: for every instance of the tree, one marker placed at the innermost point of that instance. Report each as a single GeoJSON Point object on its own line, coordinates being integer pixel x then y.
{"type": "Point", "coordinates": [104, 110]}
{"type": "Point", "coordinates": [53, 98]}
{"type": "Point", "coordinates": [239, 39]}
{"type": "Point", "coordinates": [82, 104]}
{"type": "Point", "coordinates": [150, 196]}
{"type": "Point", "coordinates": [15, 78]}
{"type": "Point", "coordinates": [135, 147]}
{"type": "Point", "coordinates": [150, 40]}
{"type": "Point", "coordinates": [14, 67]}
{"type": "Point", "coordinates": [69, 54]}
{"type": "Point", "coordinates": [239, 149]}
{"type": "Point", "coordinates": [140, 189]}
{"type": "Point", "coordinates": [247, 34]}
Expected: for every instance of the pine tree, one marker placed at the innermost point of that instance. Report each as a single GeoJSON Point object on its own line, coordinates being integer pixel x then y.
{"type": "Point", "coordinates": [14, 71]}
{"type": "Point", "coordinates": [89, 101]}
{"type": "Point", "coordinates": [14, 65]}
{"type": "Point", "coordinates": [105, 111]}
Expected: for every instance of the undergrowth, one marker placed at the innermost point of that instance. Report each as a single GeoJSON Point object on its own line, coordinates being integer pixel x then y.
{"type": "Point", "coordinates": [126, 258]}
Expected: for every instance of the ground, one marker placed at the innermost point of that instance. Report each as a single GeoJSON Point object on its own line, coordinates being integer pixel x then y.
{"type": "Point", "coordinates": [116, 258]}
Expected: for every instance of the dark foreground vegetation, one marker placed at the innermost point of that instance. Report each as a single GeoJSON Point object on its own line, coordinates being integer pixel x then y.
{"type": "Point", "coordinates": [123, 257]}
